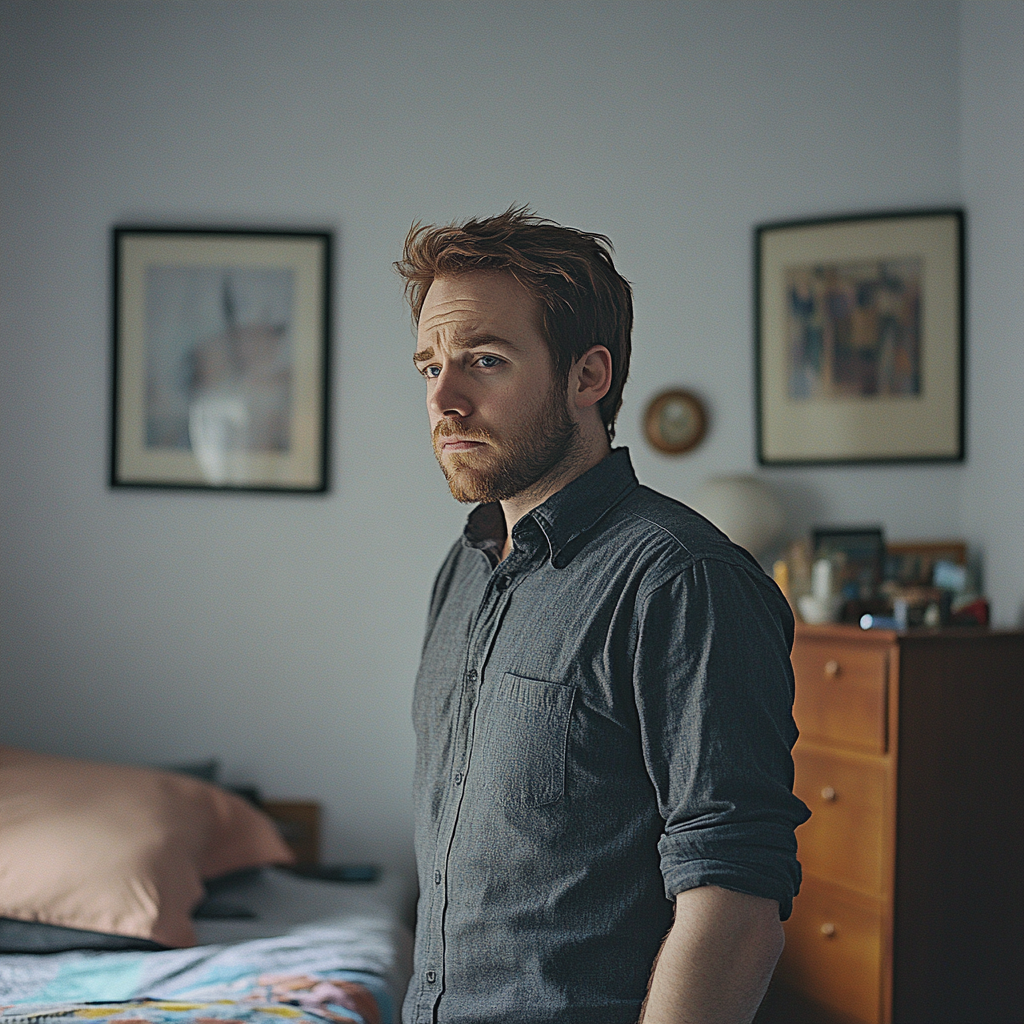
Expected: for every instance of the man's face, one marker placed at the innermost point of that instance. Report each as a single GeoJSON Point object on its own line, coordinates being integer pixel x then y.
{"type": "Point", "coordinates": [500, 421]}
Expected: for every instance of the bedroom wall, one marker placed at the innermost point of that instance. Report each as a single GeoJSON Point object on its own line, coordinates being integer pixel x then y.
{"type": "Point", "coordinates": [992, 162]}
{"type": "Point", "coordinates": [281, 633]}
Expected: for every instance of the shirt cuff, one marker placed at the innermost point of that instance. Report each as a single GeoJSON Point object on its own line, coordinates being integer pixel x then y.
{"type": "Point", "coordinates": [758, 860]}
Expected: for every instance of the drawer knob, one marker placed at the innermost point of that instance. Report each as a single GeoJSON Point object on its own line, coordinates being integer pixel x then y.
{"type": "Point", "coordinates": [828, 794]}
{"type": "Point", "coordinates": [832, 667]}
{"type": "Point", "coordinates": [828, 929]}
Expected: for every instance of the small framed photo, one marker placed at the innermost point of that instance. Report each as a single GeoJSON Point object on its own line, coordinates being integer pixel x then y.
{"type": "Point", "coordinates": [220, 362]}
{"type": "Point", "coordinates": [912, 563]}
{"type": "Point", "coordinates": [859, 556]}
{"type": "Point", "coordinates": [859, 339]}
{"type": "Point", "coordinates": [675, 422]}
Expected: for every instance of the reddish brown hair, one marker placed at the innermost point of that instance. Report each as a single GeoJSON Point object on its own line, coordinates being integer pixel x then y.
{"type": "Point", "coordinates": [583, 300]}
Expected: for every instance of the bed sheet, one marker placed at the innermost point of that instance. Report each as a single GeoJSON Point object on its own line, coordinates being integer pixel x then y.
{"type": "Point", "coordinates": [311, 951]}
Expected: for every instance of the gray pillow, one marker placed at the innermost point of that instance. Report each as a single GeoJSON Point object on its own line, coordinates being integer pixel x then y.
{"type": "Point", "coordinates": [208, 771]}
{"type": "Point", "coordinates": [32, 937]}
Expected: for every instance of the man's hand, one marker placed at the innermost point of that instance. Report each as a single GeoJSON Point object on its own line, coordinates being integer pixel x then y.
{"type": "Point", "coordinates": [717, 959]}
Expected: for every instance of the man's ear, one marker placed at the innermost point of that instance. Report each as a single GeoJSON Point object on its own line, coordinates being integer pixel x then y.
{"type": "Point", "coordinates": [590, 377]}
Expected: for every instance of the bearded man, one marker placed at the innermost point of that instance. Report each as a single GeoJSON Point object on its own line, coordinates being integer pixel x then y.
{"type": "Point", "coordinates": [603, 708]}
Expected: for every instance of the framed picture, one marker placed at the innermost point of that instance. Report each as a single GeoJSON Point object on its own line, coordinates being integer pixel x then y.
{"type": "Point", "coordinates": [859, 554]}
{"type": "Point", "coordinates": [220, 359]}
{"type": "Point", "coordinates": [859, 339]}
{"type": "Point", "coordinates": [912, 563]}
{"type": "Point", "coordinates": [675, 422]}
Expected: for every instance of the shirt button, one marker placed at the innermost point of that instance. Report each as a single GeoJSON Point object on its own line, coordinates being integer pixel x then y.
{"type": "Point", "coordinates": [431, 977]}
{"type": "Point", "coordinates": [437, 878]}
{"type": "Point", "coordinates": [471, 675]}
{"type": "Point", "coordinates": [458, 778]}
{"type": "Point", "coordinates": [502, 583]}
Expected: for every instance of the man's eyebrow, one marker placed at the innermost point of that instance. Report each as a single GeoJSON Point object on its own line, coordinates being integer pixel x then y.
{"type": "Point", "coordinates": [422, 355]}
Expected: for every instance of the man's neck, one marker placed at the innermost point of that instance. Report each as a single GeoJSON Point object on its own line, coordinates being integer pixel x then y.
{"type": "Point", "coordinates": [574, 465]}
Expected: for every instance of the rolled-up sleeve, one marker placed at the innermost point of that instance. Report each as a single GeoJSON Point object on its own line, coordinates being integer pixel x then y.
{"type": "Point", "coordinates": [713, 686]}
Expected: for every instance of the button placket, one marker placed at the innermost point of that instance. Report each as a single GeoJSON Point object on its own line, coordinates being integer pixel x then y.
{"type": "Point", "coordinates": [478, 644]}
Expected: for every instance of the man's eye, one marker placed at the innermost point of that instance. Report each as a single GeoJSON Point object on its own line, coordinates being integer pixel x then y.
{"type": "Point", "coordinates": [488, 362]}
{"type": "Point", "coordinates": [430, 372]}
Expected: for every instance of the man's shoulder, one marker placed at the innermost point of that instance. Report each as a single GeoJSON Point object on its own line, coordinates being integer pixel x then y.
{"type": "Point", "coordinates": [665, 545]}
{"type": "Point", "coordinates": [668, 535]}
{"type": "Point", "coordinates": [649, 514]}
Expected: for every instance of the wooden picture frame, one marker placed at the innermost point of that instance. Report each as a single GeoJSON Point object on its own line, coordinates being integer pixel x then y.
{"type": "Point", "coordinates": [675, 421]}
{"type": "Point", "coordinates": [859, 339]}
{"type": "Point", "coordinates": [913, 562]}
{"type": "Point", "coordinates": [220, 358]}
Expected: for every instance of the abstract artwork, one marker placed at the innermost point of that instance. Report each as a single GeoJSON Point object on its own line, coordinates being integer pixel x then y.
{"type": "Point", "coordinates": [859, 339]}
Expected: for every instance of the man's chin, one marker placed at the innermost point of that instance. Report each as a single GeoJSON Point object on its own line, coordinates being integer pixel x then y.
{"type": "Point", "coordinates": [470, 484]}
{"type": "Point", "coordinates": [468, 487]}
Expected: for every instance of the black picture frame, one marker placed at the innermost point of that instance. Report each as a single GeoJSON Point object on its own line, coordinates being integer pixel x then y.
{"type": "Point", "coordinates": [860, 551]}
{"type": "Point", "coordinates": [220, 358]}
{"type": "Point", "coordinates": [859, 339]}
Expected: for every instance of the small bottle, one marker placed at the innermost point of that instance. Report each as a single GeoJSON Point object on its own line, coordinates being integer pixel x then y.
{"type": "Point", "coordinates": [821, 581]}
{"type": "Point", "coordinates": [780, 573]}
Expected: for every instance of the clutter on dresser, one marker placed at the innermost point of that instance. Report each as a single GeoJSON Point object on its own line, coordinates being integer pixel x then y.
{"type": "Point", "coordinates": [852, 574]}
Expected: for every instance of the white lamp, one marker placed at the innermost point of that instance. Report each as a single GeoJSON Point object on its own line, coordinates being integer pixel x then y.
{"type": "Point", "coordinates": [744, 508]}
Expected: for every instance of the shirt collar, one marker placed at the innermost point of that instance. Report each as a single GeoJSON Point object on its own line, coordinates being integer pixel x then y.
{"type": "Point", "coordinates": [563, 518]}
{"type": "Point", "coordinates": [485, 530]}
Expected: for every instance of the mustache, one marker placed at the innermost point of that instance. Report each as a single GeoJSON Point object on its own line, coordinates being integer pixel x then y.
{"type": "Point", "coordinates": [455, 428]}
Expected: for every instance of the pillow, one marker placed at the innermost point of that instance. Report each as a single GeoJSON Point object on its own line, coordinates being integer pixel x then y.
{"type": "Point", "coordinates": [117, 849]}
{"type": "Point", "coordinates": [33, 937]}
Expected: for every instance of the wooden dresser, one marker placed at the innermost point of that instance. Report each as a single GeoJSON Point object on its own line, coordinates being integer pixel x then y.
{"type": "Point", "coordinates": [911, 758]}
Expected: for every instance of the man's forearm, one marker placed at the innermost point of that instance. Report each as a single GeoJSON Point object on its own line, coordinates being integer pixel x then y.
{"type": "Point", "coordinates": [717, 959]}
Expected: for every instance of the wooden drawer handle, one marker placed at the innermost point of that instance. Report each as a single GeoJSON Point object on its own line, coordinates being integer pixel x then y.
{"type": "Point", "coordinates": [828, 929]}
{"type": "Point", "coordinates": [832, 668]}
{"type": "Point", "coordinates": [828, 794]}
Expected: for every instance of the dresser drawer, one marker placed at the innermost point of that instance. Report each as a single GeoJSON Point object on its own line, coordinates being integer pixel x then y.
{"type": "Point", "coordinates": [844, 839]}
{"type": "Point", "coordinates": [834, 947]}
{"type": "Point", "coordinates": [841, 693]}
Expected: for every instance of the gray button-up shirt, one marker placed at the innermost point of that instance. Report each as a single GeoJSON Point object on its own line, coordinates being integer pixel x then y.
{"type": "Point", "coordinates": [603, 720]}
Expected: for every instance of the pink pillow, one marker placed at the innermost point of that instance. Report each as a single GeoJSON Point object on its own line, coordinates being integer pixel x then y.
{"type": "Point", "coordinates": [119, 850]}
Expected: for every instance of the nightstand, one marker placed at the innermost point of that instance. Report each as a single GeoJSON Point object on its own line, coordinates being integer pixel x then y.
{"type": "Point", "coordinates": [298, 821]}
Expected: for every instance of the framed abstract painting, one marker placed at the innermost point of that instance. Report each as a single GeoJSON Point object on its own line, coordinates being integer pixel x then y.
{"type": "Point", "coordinates": [859, 339]}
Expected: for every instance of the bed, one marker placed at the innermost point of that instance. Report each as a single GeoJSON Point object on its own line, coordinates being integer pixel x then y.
{"type": "Point", "coordinates": [134, 895]}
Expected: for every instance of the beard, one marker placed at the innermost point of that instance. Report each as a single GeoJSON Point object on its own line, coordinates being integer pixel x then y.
{"type": "Point", "coordinates": [511, 463]}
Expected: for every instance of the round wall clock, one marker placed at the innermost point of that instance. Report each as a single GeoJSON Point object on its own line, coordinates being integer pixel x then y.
{"type": "Point", "coordinates": [675, 422]}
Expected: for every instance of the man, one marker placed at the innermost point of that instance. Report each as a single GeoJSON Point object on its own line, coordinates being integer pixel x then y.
{"type": "Point", "coordinates": [603, 709]}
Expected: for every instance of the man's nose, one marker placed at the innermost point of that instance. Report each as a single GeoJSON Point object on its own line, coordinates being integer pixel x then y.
{"type": "Point", "coordinates": [449, 396]}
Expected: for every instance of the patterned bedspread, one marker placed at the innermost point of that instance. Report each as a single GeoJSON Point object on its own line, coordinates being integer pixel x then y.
{"type": "Point", "coordinates": [290, 977]}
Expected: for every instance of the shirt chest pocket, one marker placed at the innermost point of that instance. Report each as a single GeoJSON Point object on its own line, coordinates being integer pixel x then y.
{"type": "Point", "coordinates": [521, 745]}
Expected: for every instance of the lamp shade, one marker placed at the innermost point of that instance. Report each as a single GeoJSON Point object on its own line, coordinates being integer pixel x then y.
{"type": "Point", "coordinates": [744, 508]}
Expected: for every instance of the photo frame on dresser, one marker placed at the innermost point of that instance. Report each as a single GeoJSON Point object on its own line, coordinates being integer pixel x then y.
{"type": "Point", "coordinates": [220, 358]}
{"type": "Point", "coordinates": [859, 339]}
